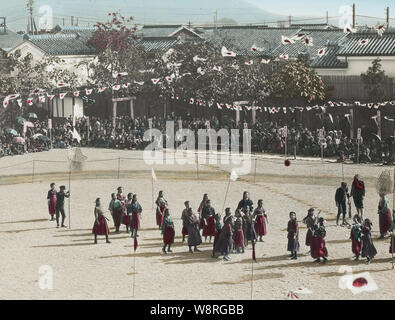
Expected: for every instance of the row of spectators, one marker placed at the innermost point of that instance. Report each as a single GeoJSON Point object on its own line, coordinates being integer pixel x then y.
{"type": "Point", "coordinates": [267, 137]}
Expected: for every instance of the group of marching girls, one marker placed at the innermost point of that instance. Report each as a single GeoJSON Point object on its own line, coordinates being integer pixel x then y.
{"type": "Point", "coordinates": [124, 210]}
{"type": "Point", "coordinates": [56, 203]}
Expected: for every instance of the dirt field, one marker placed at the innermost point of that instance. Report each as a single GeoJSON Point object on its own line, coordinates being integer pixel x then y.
{"type": "Point", "coordinates": [82, 270]}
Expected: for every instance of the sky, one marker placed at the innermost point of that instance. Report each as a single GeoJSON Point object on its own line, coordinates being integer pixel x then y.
{"type": "Point", "coordinates": [182, 11]}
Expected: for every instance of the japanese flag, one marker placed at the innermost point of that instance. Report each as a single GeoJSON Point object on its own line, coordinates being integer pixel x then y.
{"type": "Point", "coordinates": [265, 61]}
{"type": "Point", "coordinates": [380, 30]}
{"type": "Point", "coordinates": [120, 74]}
{"type": "Point", "coordinates": [116, 87]}
{"type": "Point", "coordinates": [363, 42]}
{"type": "Point", "coordinates": [349, 30]}
{"type": "Point", "coordinates": [50, 97]}
{"type": "Point", "coordinates": [5, 103]}
{"type": "Point", "coordinates": [30, 101]}
{"type": "Point", "coordinates": [220, 106]}
{"type": "Point", "coordinates": [62, 95]}
{"type": "Point", "coordinates": [286, 40]}
{"type": "Point", "coordinates": [249, 63]}
{"type": "Point", "coordinates": [101, 89]}
{"type": "Point", "coordinates": [226, 53]}
{"type": "Point", "coordinates": [191, 101]}
{"type": "Point", "coordinates": [321, 52]}
{"type": "Point", "coordinates": [12, 96]}
{"type": "Point", "coordinates": [42, 98]}
{"type": "Point", "coordinates": [217, 68]}
{"type": "Point", "coordinates": [201, 71]}
{"type": "Point", "coordinates": [126, 85]}
{"type": "Point", "coordinates": [284, 56]}
{"type": "Point", "coordinates": [254, 48]}
{"type": "Point", "coordinates": [308, 41]}
{"type": "Point", "coordinates": [155, 81]}
{"type": "Point", "coordinates": [76, 93]}
{"type": "Point", "coordinates": [61, 85]}
{"type": "Point", "coordinates": [88, 91]}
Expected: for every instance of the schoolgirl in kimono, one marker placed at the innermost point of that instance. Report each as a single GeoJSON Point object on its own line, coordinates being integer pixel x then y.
{"type": "Point", "coordinates": [127, 217]}
{"type": "Point", "coordinates": [51, 197]}
{"type": "Point", "coordinates": [368, 249]}
{"type": "Point", "coordinates": [136, 211]}
{"type": "Point", "coordinates": [161, 205]}
{"type": "Point", "coordinates": [100, 227]}
{"type": "Point", "coordinates": [238, 236]}
{"type": "Point", "coordinates": [167, 231]}
{"type": "Point", "coordinates": [200, 210]}
{"type": "Point", "coordinates": [355, 236]}
{"type": "Point", "coordinates": [218, 229]}
{"type": "Point", "coordinates": [184, 216]}
{"type": "Point", "coordinates": [115, 207]}
{"type": "Point", "coordinates": [318, 247]}
{"type": "Point", "coordinates": [385, 218]}
{"type": "Point", "coordinates": [293, 236]}
{"type": "Point", "coordinates": [260, 218]}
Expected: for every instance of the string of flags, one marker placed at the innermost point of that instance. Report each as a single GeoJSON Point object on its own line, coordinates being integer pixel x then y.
{"type": "Point", "coordinates": [299, 37]}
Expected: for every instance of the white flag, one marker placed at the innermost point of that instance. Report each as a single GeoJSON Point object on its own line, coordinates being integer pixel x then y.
{"type": "Point", "coordinates": [76, 135]}
{"type": "Point", "coordinates": [234, 176]}
{"type": "Point", "coordinates": [153, 174]}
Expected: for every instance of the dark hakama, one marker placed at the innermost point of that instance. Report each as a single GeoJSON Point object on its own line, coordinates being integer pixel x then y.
{"type": "Point", "coordinates": [168, 235]}
{"type": "Point", "coordinates": [250, 232]}
{"type": "Point", "coordinates": [293, 236]}
{"type": "Point", "coordinates": [117, 216]}
{"type": "Point", "coordinates": [135, 220]}
{"type": "Point", "coordinates": [368, 248]}
{"type": "Point", "coordinates": [356, 244]}
{"type": "Point", "coordinates": [260, 225]}
{"type": "Point", "coordinates": [239, 238]}
{"type": "Point", "coordinates": [392, 244]}
{"type": "Point", "coordinates": [184, 231]}
{"type": "Point", "coordinates": [209, 228]}
{"type": "Point", "coordinates": [225, 241]}
{"type": "Point", "coordinates": [159, 215]}
{"type": "Point", "coordinates": [385, 221]}
{"type": "Point", "coordinates": [194, 238]}
{"type": "Point", "coordinates": [52, 202]}
{"type": "Point", "coordinates": [216, 237]}
{"type": "Point", "coordinates": [318, 248]}
{"type": "Point", "coordinates": [202, 223]}
{"type": "Point", "coordinates": [100, 229]}
{"type": "Point", "coordinates": [309, 237]}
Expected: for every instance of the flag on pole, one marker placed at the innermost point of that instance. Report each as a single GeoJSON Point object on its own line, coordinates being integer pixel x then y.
{"type": "Point", "coordinates": [135, 244]}
{"type": "Point", "coordinates": [153, 174]}
{"type": "Point", "coordinates": [234, 176]}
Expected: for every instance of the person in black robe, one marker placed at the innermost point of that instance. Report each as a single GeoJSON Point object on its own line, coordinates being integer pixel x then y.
{"type": "Point", "coordinates": [225, 241]}
{"type": "Point", "coordinates": [194, 238]}
{"type": "Point", "coordinates": [368, 249]}
{"type": "Point", "coordinates": [246, 201]}
{"type": "Point", "coordinates": [340, 198]}
{"type": "Point", "coordinates": [293, 236]}
{"type": "Point", "coordinates": [60, 196]}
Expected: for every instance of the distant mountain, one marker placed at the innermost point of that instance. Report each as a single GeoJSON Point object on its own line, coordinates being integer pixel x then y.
{"type": "Point", "coordinates": [144, 11]}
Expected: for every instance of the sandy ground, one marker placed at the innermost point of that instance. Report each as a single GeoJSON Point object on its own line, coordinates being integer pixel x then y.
{"type": "Point", "coordinates": [82, 270]}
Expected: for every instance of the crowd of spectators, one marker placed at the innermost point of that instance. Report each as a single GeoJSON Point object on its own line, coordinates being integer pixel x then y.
{"type": "Point", "coordinates": [267, 137]}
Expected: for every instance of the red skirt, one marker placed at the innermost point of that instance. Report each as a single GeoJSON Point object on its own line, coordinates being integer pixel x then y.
{"type": "Point", "coordinates": [159, 216]}
{"type": "Point", "coordinates": [239, 238]}
{"type": "Point", "coordinates": [126, 219]}
{"type": "Point", "coordinates": [168, 236]}
{"type": "Point", "coordinates": [309, 237]}
{"type": "Point", "coordinates": [117, 216]}
{"type": "Point", "coordinates": [202, 224]}
{"type": "Point", "coordinates": [184, 231]}
{"type": "Point", "coordinates": [356, 246]}
{"type": "Point", "coordinates": [209, 229]}
{"type": "Point", "coordinates": [318, 249]}
{"type": "Point", "coordinates": [100, 229]}
{"type": "Point", "coordinates": [385, 221]}
{"type": "Point", "coordinates": [52, 205]}
{"type": "Point", "coordinates": [135, 220]}
{"type": "Point", "coordinates": [260, 225]}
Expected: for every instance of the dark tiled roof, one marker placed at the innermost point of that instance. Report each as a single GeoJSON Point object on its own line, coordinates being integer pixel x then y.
{"type": "Point", "coordinates": [9, 39]}
{"type": "Point", "coordinates": [62, 44]}
{"type": "Point", "coordinates": [241, 39]}
{"type": "Point", "coordinates": [150, 44]}
{"type": "Point", "coordinates": [329, 60]}
{"type": "Point", "coordinates": [320, 39]}
{"type": "Point", "coordinates": [157, 30]}
{"type": "Point", "coordinates": [314, 26]}
{"type": "Point", "coordinates": [383, 46]}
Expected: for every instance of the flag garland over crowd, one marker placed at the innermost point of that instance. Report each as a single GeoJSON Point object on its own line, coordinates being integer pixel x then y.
{"type": "Point", "coordinates": [173, 68]}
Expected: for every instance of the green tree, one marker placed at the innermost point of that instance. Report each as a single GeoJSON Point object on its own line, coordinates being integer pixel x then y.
{"type": "Point", "coordinates": [296, 80]}
{"type": "Point", "coordinates": [374, 79]}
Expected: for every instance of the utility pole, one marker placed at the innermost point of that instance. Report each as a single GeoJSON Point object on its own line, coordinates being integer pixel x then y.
{"type": "Point", "coordinates": [216, 19]}
{"type": "Point", "coordinates": [289, 21]}
{"type": "Point", "coordinates": [63, 21]}
{"type": "Point", "coordinates": [388, 17]}
{"type": "Point", "coordinates": [77, 22]}
{"type": "Point", "coordinates": [353, 15]}
{"type": "Point", "coordinates": [327, 18]}
{"type": "Point", "coordinates": [72, 20]}
{"type": "Point", "coordinates": [31, 27]}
